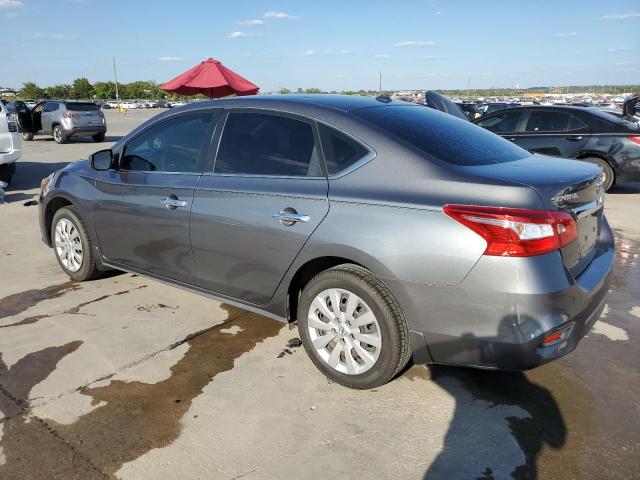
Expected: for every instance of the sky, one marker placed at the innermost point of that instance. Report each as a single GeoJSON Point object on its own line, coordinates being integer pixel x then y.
{"type": "Point", "coordinates": [327, 44]}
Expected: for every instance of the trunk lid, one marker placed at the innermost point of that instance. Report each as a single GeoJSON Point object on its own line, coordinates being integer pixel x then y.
{"type": "Point", "coordinates": [444, 104]}
{"type": "Point", "coordinates": [85, 114]}
{"type": "Point", "coordinates": [562, 184]}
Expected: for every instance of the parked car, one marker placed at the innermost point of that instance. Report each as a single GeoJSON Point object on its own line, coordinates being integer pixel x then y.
{"type": "Point", "coordinates": [583, 133]}
{"type": "Point", "coordinates": [488, 108]}
{"type": "Point", "coordinates": [62, 120]}
{"type": "Point", "coordinates": [385, 230]}
{"type": "Point", "coordinates": [113, 104]}
{"type": "Point", "coordinates": [471, 110]}
{"type": "Point", "coordinates": [10, 143]}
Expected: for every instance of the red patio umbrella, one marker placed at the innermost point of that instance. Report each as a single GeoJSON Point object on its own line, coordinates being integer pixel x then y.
{"type": "Point", "coordinates": [212, 79]}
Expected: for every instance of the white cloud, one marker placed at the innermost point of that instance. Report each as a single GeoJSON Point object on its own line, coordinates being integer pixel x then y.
{"type": "Point", "coordinates": [337, 52]}
{"type": "Point", "coordinates": [381, 55]}
{"type": "Point", "coordinates": [413, 43]}
{"type": "Point", "coordinates": [620, 49]}
{"type": "Point", "coordinates": [12, 14]}
{"type": "Point", "coordinates": [277, 15]}
{"type": "Point", "coordinates": [171, 59]}
{"type": "Point", "coordinates": [310, 53]}
{"type": "Point", "coordinates": [252, 22]}
{"type": "Point", "coordinates": [243, 35]}
{"type": "Point", "coordinates": [565, 34]}
{"type": "Point", "coordinates": [11, 3]}
{"type": "Point", "coordinates": [621, 64]}
{"type": "Point", "coordinates": [621, 16]}
{"type": "Point", "coordinates": [55, 36]}
{"type": "Point", "coordinates": [438, 13]}
{"type": "Point", "coordinates": [425, 57]}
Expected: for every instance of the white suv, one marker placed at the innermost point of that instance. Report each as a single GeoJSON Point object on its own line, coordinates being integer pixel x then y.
{"type": "Point", "coordinates": [10, 144]}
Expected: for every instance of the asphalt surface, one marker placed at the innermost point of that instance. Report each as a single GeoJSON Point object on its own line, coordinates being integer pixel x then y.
{"type": "Point", "coordinates": [124, 377]}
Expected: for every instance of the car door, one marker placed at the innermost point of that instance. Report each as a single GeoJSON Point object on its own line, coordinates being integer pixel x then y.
{"type": "Point", "coordinates": [266, 195]}
{"type": "Point", "coordinates": [36, 115]}
{"type": "Point", "coordinates": [142, 207]}
{"type": "Point", "coordinates": [47, 115]}
{"type": "Point", "coordinates": [504, 123]}
{"type": "Point", "coordinates": [553, 132]}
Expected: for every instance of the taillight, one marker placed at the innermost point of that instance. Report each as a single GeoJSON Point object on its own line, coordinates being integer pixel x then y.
{"type": "Point", "coordinates": [515, 232]}
{"type": "Point", "coordinates": [70, 115]}
{"type": "Point", "coordinates": [559, 336]}
{"type": "Point", "coordinates": [634, 138]}
{"type": "Point", "coordinates": [12, 127]}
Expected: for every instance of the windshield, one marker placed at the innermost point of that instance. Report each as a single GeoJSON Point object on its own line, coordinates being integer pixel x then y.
{"type": "Point", "coordinates": [443, 136]}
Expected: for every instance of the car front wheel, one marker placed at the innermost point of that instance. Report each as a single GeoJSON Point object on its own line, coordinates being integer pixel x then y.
{"type": "Point", "coordinates": [352, 327]}
{"type": "Point", "coordinates": [27, 137]}
{"type": "Point", "coordinates": [59, 135]}
{"type": "Point", "coordinates": [72, 245]}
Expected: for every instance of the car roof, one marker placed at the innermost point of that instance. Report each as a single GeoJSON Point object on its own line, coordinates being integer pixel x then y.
{"type": "Point", "coordinates": [345, 103]}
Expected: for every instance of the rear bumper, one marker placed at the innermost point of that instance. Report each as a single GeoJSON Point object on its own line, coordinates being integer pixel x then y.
{"type": "Point", "coordinates": [15, 153]}
{"type": "Point", "coordinates": [85, 130]}
{"type": "Point", "coordinates": [499, 315]}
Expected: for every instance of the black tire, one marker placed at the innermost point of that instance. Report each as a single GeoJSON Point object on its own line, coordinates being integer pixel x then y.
{"type": "Point", "coordinates": [99, 137]}
{"type": "Point", "coordinates": [88, 268]}
{"type": "Point", "coordinates": [58, 134]}
{"type": "Point", "coordinates": [7, 171]}
{"type": "Point", "coordinates": [395, 350]}
{"type": "Point", "coordinates": [27, 137]}
{"type": "Point", "coordinates": [609, 175]}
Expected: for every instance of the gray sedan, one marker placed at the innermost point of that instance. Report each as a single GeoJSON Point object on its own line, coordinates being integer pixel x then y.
{"type": "Point", "coordinates": [387, 231]}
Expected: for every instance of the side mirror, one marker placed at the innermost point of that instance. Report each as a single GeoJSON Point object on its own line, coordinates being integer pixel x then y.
{"type": "Point", "coordinates": [102, 160]}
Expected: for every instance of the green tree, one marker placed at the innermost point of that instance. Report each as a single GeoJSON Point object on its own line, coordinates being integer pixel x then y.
{"type": "Point", "coordinates": [284, 90]}
{"type": "Point", "coordinates": [104, 90]}
{"type": "Point", "coordinates": [30, 90]}
{"type": "Point", "coordinates": [82, 88]}
{"type": "Point", "coordinates": [58, 91]}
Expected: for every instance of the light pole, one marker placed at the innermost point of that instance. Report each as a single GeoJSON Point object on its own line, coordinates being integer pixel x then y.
{"type": "Point", "coordinates": [115, 76]}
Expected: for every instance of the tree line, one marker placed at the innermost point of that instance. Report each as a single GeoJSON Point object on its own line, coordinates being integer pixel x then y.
{"type": "Point", "coordinates": [82, 89]}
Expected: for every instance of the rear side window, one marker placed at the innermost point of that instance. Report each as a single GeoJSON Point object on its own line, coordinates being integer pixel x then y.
{"type": "Point", "coordinates": [340, 151]}
{"type": "Point", "coordinates": [552, 121]}
{"type": "Point", "coordinates": [171, 146]}
{"type": "Point", "coordinates": [447, 138]}
{"type": "Point", "coordinates": [505, 122]}
{"type": "Point", "coordinates": [82, 107]}
{"type": "Point", "coordinates": [266, 144]}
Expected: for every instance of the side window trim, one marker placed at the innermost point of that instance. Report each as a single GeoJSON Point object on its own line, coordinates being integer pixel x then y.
{"type": "Point", "coordinates": [214, 112]}
{"type": "Point", "coordinates": [265, 111]}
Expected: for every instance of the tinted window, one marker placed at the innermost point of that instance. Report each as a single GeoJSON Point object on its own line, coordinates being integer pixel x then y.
{"type": "Point", "coordinates": [504, 122]}
{"type": "Point", "coordinates": [263, 144]}
{"type": "Point", "coordinates": [443, 136]}
{"type": "Point", "coordinates": [82, 107]}
{"type": "Point", "coordinates": [552, 121]}
{"type": "Point", "coordinates": [339, 150]}
{"type": "Point", "coordinates": [50, 106]}
{"type": "Point", "coordinates": [171, 146]}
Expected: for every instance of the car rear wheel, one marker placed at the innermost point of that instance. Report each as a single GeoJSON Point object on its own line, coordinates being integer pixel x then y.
{"type": "Point", "coordinates": [59, 135]}
{"type": "Point", "coordinates": [98, 137]}
{"type": "Point", "coordinates": [609, 175]}
{"type": "Point", "coordinates": [72, 245]}
{"type": "Point", "coordinates": [352, 327]}
{"type": "Point", "coordinates": [27, 137]}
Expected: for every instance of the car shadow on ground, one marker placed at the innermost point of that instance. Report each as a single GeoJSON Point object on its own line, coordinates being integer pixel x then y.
{"type": "Point", "coordinates": [629, 187]}
{"type": "Point", "coordinates": [29, 174]}
{"type": "Point", "coordinates": [108, 138]}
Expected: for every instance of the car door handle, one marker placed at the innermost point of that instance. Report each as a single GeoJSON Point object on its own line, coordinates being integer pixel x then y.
{"type": "Point", "coordinates": [290, 218]}
{"type": "Point", "coordinates": [172, 203]}
{"type": "Point", "coordinates": [574, 138]}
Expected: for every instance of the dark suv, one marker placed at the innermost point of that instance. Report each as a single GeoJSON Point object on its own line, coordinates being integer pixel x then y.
{"type": "Point", "coordinates": [588, 134]}
{"type": "Point", "coordinates": [62, 120]}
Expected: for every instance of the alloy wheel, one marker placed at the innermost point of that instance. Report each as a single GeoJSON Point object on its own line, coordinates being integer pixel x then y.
{"type": "Point", "coordinates": [344, 331]}
{"type": "Point", "coordinates": [68, 245]}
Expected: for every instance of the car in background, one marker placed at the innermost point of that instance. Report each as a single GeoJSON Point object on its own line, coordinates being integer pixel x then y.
{"type": "Point", "coordinates": [582, 133]}
{"type": "Point", "coordinates": [384, 229]}
{"type": "Point", "coordinates": [10, 143]}
{"type": "Point", "coordinates": [163, 104]}
{"type": "Point", "coordinates": [113, 103]}
{"type": "Point", "coordinates": [471, 110]}
{"type": "Point", "coordinates": [62, 120]}
{"type": "Point", "coordinates": [488, 108]}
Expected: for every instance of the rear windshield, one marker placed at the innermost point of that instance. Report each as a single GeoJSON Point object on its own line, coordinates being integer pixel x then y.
{"type": "Point", "coordinates": [443, 136]}
{"type": "Point", "coordinates": [82, 107]}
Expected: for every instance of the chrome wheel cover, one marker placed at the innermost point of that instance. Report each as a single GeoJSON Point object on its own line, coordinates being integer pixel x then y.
{"type": "Point", "coordinates": [68, 245]}
{"type": "Point", "coordinates": [57, 134]}
{"type": "Point", "coordinates": [344, 331]}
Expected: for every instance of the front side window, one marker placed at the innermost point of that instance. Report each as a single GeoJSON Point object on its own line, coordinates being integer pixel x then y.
{"type": "Point", "coordinates": [174, 145]}
{"type": "Point", "coordinates": [265, 144]}
{"type": "Point", "coordinates": [50, 106]}
{"type": "Point", "coordinates": [340, 151]}
{"type": "Point", "coordinates": [505, 122]}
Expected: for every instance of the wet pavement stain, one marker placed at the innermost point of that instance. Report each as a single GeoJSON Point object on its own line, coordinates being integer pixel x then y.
{"type": "Point", "coordinates": [19, 302]}
{"type": "Point", "coordinates": [138, 416]}
{"type": "Point", "coordinates": [32, 449]}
